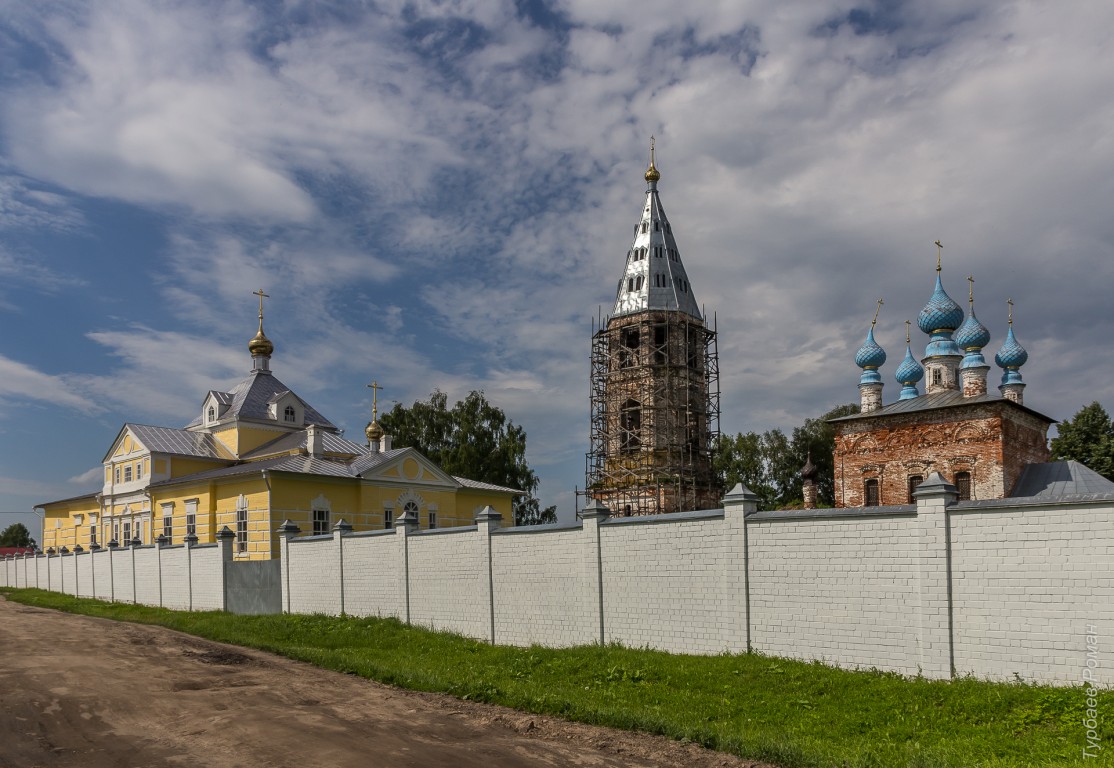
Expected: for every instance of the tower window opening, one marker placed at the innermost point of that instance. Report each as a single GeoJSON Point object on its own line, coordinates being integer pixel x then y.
{"type": "Point", "coordinates": [914, 481]}
{"type": "Point", "coordinates": [630, 284]}
{"type": "Point", "coordinates": [871, 496]}
{"type": "Point", "coordinates": [628, 346]}
{"type": "Point", "coordinates": [963, 485]}
{"type": "Point", "coordinates": [937, 376]}
{"type": "Point", "coordinates": [657, 226]}
{"type": "Point", "coordinates": [638, 283]}
{"type": "Point", "coordinates": [630, 426]}
{"type": "Point", "coordinates": [645, 226]}
{"type": "Point", "coordinates": [661, 338]}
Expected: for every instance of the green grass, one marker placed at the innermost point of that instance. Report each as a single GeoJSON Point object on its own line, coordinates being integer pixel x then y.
{"type": "Point", "coordinates": [791, 713]}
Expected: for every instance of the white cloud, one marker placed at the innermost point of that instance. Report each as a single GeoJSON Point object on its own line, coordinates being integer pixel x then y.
{"type": "Point", "coordinates": [20, 381]}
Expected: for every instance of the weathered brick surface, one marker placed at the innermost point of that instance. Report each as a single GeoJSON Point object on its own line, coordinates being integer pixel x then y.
{"type": "Point", "coordinates": [991, 441]}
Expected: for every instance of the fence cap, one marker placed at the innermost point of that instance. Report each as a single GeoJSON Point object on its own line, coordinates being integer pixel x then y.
{"type": "Point", "coordinates": [594, 510]}
{"type": "Point", "coordinates": [343, 526]}
{"type": "Point", "coordinates": [935, 486]}
{"type": "Point", "coordinates": [488, 513]}
{"type": "Point", "coordinates": [288, 527]}
{"type": "Point", "coordinates": [740, 493]}
{"type": "Point", "coordinates": [224, 533]}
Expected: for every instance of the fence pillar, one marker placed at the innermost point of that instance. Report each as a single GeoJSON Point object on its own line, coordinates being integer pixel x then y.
{"type": "Point", "coordinates": [113, 545]}
{"type": "Point", "coordinates": [738, 504]}
{"type": "Point", "coordinates": [487, 520]}
{"type": "Point", "coordinates": [406, 524]}
{"type": "Point", "coordinates": [190, 542]}
{"type": "Point", "coordinates": [287, 531]}
{"type": "Point", "coordinates": [340, 530]}
{"type": "Point", "coordinates": [592, 515]}
{"type": "Point", "coordinates": [937, 656]}
{"type": "Point", "coordinates": [160, 542]}
{"type": "Point", "coordinates": [225, 540]}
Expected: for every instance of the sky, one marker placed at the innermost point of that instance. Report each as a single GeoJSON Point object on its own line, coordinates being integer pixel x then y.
{"type": "Point", "coordinates": [442, 194]}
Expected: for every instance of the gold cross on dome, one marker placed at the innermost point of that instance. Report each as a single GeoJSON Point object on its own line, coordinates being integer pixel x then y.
{"type": "Point", "coordinates": [875, 320]}
{"type": "Point", "coordinates": [1010, 302]}
{"type": "Point", "coordinates": [261, 296]}
{"type": "Point", "coordinates": [907, 324]}
{"type": "Point", "coordinates": [939, 253]}
{"type": "Point", "coordinates": [374, 387]}
{"type": "Point", "coordinates": [971, 290]}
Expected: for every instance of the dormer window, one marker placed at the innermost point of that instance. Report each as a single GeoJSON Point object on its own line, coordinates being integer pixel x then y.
{"type": "Point", "coordinates": [289, 414]}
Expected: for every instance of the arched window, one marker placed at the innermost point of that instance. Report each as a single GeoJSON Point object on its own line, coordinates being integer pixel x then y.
{"type": "Point", "coordinates": [212, 414]}
{"type": "Point", "coordinates": [630, 426]}
{"type": "Point", "coordinates": [871, 497]}
{"type": "Point", "coordinates": [914, 481]}
{"type": "Point", "coordinates": [290, 414]}
{"type": "Point", "coordinates": [963, 485]}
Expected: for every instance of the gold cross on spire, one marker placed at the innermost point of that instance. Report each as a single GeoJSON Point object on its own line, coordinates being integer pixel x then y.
{"type": "Point", "coordinates": [1010, 302]}
{"type": "Point", "coordinates": [971, 291]}
{"type": "Point", "coordinates": [651, 149]}
{"type": "Point", "coordinates": [374, 387]}
{"type": "Point", "coordinates": [875, 320]}
{"type": "Point", "coordinates": [939, 254]}
{"type": "Point", "coordinates": [261, 296]}
{"type": "Point", "coordinates": [907, 324]}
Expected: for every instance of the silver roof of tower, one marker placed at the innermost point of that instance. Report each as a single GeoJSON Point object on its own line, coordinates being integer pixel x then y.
{"type": "Point", "coordinates": [654, 278]}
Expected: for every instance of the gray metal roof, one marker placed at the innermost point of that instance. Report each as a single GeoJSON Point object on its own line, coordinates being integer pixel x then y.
{"type": "Point", "coordinates": [179, 441]}
{"type": "Point", "coordinates": [251, 397]}
{"type": "Point", "coordinates": [479, 486]}
{"type": "Point", "coordinates": [369, 459]}
{"type": "Point", "coordinates": [330, 443]}
{"type": "Point", "coordinates": [654, 277]}
{"type": "Point", "coordinates": [936, 401]}
{"type": "Point", "coordinates": [1059, 478]}
{"type": "Point", "coordinates": [305, 465]}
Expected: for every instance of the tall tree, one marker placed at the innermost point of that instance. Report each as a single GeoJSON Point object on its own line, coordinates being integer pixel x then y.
{"type": "Point", "coordinates": [1087, 437]}
{"type": "Point", "coordinates": [473, 439]}
{"type": "Point", "coordinates": [770, 464]}
{"type": "Point", "coordinates": [16, 535]}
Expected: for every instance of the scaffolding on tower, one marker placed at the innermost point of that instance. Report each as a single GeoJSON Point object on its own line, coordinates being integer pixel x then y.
{"type": "Point", "coordinates": [655, 406]}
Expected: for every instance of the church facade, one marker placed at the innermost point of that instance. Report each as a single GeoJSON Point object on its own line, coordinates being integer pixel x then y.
{"type": "Point", "coordinates": [252, 458]}
{"type": "Point", "coordinates": [655, 392]}
{"type": "Point", "coordinates": [980, 442]}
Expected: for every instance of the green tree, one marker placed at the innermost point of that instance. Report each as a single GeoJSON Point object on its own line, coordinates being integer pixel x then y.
{"type": "Point", "coordinates": [16, 535]}
{"type": "Point", "coordinates": [770, 464]}
{"type": "Point", "coordinates": [473, 439]}
{"type": "Point", "coordinates": [1087, 437]}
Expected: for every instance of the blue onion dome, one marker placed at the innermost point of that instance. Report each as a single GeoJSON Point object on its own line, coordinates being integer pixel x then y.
{"type": "Point", "coordinates": [972, 334]}
{"type": "Point", "coordinates": [940, 313]}
{"type": "Point", "coordinates": [910, 371]}
{"type": "Point", "coordinates": [870, 355]}
{"type": "Point", "coordinates": [1012, 354]}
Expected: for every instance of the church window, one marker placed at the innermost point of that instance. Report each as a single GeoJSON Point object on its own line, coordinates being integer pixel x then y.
{"type": "Point", "coordinates": [914, 481]}
{"type": "Point", "coordinates": [127, 534]}
{"type": "Point", "coordinates": [116, 532]}
{"type": "Point", "coordinates": [139, 470]}
{"type": "Point", "coordinates": [242, 524]}
{"type": "Point", "coordinates": [410, 509]}
{"type": "Point", "coordinates": [388, 518]}
{"type": "Point", "coordinates": [191, 517]}
{"type": "Point", "coordinates": [644, 226]}
{"type": "Point", "coordinates": [320, 522]}
{"type": "Point", "coordinates": [628, 343]}
{"type": "Point", "coordinates": [638, 283]}
{"type": "Point", "coordinates": [289, 414]}
{"type": "Point", "coordinates": [657, 226]}
{"type": "Point", "coordinates": [117, 474]}
{"type": "Point", "coordinates": [871, 497]}
{"type": "Point", "coordinates": [212, 414]}
{"type": "Point", "coordinates": [168, 522]}
{"type": "Point", "coordinates": [127, 474]}
{"type": "Point", "coordinates": [963, 485]}
{"type": "Point", "coordinates": [630, 284]}
{"type": "Point", "coordinates": [937, 376]}
{"type": "Point", "coordinates": [139, 531]}
{"type": "Point", "coordinates": [630, 425]}
{"type": "Point", "coordinates": [657, 251]}
{"type": "Point", "coordinates": [92, 535]}
{"type": "Point", "coordinates": [432, 518]}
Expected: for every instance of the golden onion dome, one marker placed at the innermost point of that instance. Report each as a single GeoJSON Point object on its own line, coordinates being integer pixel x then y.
{"type": "Point", "coordinates": [260, 344]}
{"type": "Point", "coordinates": [652, 173]}
{"type": "Point", "coordinates": [374, 432]}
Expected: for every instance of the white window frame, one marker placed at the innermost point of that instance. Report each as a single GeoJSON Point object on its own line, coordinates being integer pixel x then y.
{"type": "Point", "coordinates": [191, 517]}
{"type": "Point", "coordinates": [168, 522]}
{"type": "Point", "coordinates": [242, 525]}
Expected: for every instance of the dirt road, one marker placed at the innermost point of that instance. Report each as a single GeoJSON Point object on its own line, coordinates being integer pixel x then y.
{"type": "Point", "coordinates": [81, 691]}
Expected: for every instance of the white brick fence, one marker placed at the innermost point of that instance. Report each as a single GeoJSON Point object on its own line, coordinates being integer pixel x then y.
{"type": "Point", "coordinates": [1014, 588]}
{"type": "Point", "coordinates": [187, 577]}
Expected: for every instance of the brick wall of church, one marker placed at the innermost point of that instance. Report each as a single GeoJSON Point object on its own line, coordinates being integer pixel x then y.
{"type": "Point", "coordinates": [992, 442]}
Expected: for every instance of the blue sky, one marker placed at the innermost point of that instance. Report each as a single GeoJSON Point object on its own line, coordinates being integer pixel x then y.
{"type": "Point", "coordinates": [441, 194]}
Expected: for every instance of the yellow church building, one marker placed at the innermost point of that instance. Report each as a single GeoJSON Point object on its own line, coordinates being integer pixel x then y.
{"type": "Point", "coordinates": [252, 458]}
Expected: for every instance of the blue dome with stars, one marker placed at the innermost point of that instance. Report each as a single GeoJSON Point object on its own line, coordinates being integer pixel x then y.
{"type": "Point", "coordinates": [1012, 354]}
{"type": "Point", "coordinates": [870, 355]}
{"type": "Point", "coordinates": [940, 313]}
{"type": "Point", "coordinates": [972, 334]}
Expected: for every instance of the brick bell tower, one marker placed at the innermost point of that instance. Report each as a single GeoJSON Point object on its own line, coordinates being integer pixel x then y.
{"type": "Point", "coordinates": [654, 382]}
